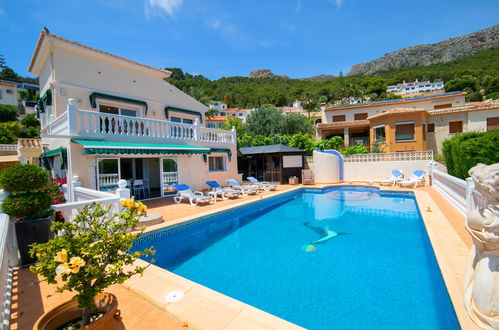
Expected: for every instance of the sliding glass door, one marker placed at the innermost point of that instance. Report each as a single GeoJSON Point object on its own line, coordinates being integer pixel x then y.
{"type": "Point", "coordinates": [169, 176]}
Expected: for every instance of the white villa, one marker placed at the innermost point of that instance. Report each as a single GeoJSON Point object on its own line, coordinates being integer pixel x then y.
{"type": "Point", "coordinates": [8, 94]}
{"type": "Point", "coordinates": [106, 118]}
{"type": "Point", "coordinates": [415, 87]}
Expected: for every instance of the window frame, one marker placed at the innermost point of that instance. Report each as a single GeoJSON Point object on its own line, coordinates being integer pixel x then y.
{"type": "Point", "coordinates": [432, 125]}
{"type": "Point", "coordinates": [453, 122]}
{"type": "Point", "coordinates": [217, 155]}
{"type": "Point", "coordinates": [364, 114]}
{"type": "Point", "coordinates": [339, 121]}
{"type": "Point", "coordinates": [384, 131]}
{"type": "Point", "coordinates": [413, 123]}
{"type": "Point", "coordinates": [139, 110]}
{"type": "Point", "coordinates": [487, 124]}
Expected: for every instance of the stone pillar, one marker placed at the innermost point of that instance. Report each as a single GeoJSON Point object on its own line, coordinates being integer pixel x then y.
{"type": "Point", "coordinates": [122, 192]}
{"type": "Point", "coordinates": [72, 120]}
{"type": "Point", "coordinates": [197, 130]}
{"type": "Point", "coordinates": [481, 281]}
{"type": "Point", "coordinates": [346, 136]}
{"type": "Point", "coordinates": [431, 167]}
{"type": "Point", "coordinates": [74, 183]}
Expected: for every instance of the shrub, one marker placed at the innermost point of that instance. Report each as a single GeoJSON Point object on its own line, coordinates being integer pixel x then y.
{"type": "Point", "coordinates": [493, 96]}
{"type": "Point", "coordinates": [333, 143]}
{"type": "Point", "coordinates": [92, 252]}
{"type": "Point", "coordinates": [23, 178]}
{"type": "Point", "coordinates": [359, 148]}
{"type": "Point", "coordinates": [32, 205]}
{"type": "Point", "coordinates": [7, 136]}
{"type": "Point", "coordinates": [30, 199]}
{"type": "Point", "coordinates": [8, 113]}
{"type": "Point", "coordinates": [464, 151]}
{"type": "Point", "coordinates": [303, 142]}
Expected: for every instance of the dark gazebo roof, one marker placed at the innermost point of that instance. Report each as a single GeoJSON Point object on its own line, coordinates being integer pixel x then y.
{"type": "Point", "coordinates": [272, 149]}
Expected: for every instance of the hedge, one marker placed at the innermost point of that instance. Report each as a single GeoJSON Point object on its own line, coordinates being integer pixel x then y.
{"type": "Point", "coordinates": [464, 151]}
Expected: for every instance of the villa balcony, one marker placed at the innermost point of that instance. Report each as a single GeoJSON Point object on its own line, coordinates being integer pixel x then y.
{"type": "Point", "coordinates": [83, 123]}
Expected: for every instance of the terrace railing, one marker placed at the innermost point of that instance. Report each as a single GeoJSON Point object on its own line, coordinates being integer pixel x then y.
{"type": "Point", "coordinates": [78, 122]}
{"type": "Point", "coordinates": [390, 156]}
{"type": "Point", "coordinates": [8, 147]}
{"type": "Point", "coordinates": [458, 192]}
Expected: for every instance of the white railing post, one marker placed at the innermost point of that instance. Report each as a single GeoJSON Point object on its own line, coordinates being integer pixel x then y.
{"type": "Point", "coordinates": [197, 130]}
{"type": "Point", "coordinates": [74, 183]}
{"type": "Point", "coordinates": [72, 116]}
{"type": "Point", "coordinates": [234, 136]}
{"type": "Point", "coordinates": [122, 191]}
{"type": "Point", "coordinates": [470, 186]}
{"type": "Point", "coordinates": [431, 168]}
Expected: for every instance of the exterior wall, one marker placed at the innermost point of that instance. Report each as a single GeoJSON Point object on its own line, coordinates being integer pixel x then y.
{"type": "Point", "coordinates": [435, 139]}
{"type": "Point", "coordinates": [8, 94]}
{"type": "Point", "coordinates": [477, 120]}
{"type": "Point", "coordinates": [374, 109]}
{"type": "Point", "coordinates": [418, 144]}
{"type": "Point", "coordinates": [369, 171]}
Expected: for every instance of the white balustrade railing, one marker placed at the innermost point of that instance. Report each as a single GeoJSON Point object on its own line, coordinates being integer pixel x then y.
{"type": "Point", "coordinates": [84, 196]}
{"type": "Point", "coordinates": [108, 180]}
{"type": "Point", "coordinates": [98, 124]}
{"type": "Point", "coordinates": [170, 177]}
{"type": "Point", "coordinates": [390, 156]}
{"type": "Point", "coordinates": [458, 192]}
{"type": "Point", "coordinates": [8, 147]}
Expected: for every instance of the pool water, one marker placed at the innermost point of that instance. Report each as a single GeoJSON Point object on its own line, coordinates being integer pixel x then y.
{"type": "Point", "coordinates": [346, 258]}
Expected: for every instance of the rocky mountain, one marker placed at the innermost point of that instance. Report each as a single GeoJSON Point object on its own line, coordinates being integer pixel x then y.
{"type": "Point", "coordinates": [264, 73]}
{"type": "Point", "coordinates": [320, 77]}
{"type": "Point", "coordinates": [441, 52]}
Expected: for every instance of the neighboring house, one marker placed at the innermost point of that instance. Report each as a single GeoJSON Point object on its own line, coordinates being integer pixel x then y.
{"type": "Point", "coordinates": [350, 121]}
{"type": "Point", "coordinates": [29, 150]}
{"type": "Point", "coordinates": [416, 87]}
{"type": "Point", "coordinates": [105, 118]}
{"type": "Point", "coordinates": [416, 129]}
{"type": "Point", "coordinates": [217, 105]}
{"type": "Point", "coordinates": [8, 94]}
{"type": "Point", "coordinates": [21, 85]}
{"type": "Point", "coordinates": [215, 121]}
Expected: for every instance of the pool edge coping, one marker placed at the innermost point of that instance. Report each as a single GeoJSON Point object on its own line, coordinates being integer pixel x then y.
{"type": "Point", "coordinates": [203, 303]}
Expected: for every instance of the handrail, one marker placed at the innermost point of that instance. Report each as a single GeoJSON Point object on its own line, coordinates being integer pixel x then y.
{"type": "Point", "coordinates": [390, 156]}
{"type": "Point", "coordinates": [8, 147]}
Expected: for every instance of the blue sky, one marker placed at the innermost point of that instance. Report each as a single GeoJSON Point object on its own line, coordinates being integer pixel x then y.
{"type": "Point", "coordinates": [216, 38]}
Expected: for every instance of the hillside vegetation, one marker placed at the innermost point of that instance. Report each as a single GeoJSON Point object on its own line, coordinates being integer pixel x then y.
{"type": "Point", "coordinates": [477, 74]}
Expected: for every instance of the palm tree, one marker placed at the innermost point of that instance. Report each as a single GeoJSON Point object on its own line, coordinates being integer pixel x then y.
{"type": "Point", "coordinates": [310, 105]}
{"type": "Point", "coordinates": [199, 94]}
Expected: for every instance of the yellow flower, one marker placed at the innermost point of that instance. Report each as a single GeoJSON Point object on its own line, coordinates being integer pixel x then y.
{"type": "Point", "coordinates": [141, 208]}
{"type": "Point", "coordinates": [37, 255]}
{"type": "Point", "coordinates": [61, 256]}
{"type": "Point", "coordinates": [128, 202]}
{"type": "Point", "coordinates": [77, 261]}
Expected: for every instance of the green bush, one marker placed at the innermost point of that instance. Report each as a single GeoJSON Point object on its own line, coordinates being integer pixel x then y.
{"type": "Point", "coordinates": [359, 148]}
{"type": "Point", "coordinates": [464, 151]}
{"type": "Point", "coordinates": [493, 96]}
{"type": "Point", "coordinates": [333, 143]}
{"type": "Point", "coordinates": [32, 205]}
{"type": "Point", "coordinates": [8, 113]}
{"type": "Point", "coordinates": [23, 178]}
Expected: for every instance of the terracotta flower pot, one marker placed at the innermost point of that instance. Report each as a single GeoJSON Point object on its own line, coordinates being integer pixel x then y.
{"type": "Point", "coordinates": [69, 311]}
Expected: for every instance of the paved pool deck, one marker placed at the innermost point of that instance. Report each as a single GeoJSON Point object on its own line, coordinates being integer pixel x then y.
{"type": "Point", "coordinates": [203, 308]}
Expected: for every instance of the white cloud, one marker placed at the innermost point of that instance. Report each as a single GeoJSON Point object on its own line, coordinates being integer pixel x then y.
{"type": "Point", "coordinates": [298, 6]}
{"type": "Point", "coordinates": [2, 12]}
{"type": "Point", "coordinates": [161, 7]}
{"type": "Point", "coordinates": [338, 3]}
{"type": "Point", "coordinates": [230, 32]}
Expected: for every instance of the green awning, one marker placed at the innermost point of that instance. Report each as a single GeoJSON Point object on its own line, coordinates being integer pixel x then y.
{"type": "Point", "coordinates": [96, 95]}
{"type": "Point", "coordinates": [45, 99]}
{"type": "Point", "coordinates": [92, 147]}
{"type": "Point", "coordinates": [51, 153]}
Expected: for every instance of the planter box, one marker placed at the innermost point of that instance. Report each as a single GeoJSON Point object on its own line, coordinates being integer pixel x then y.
{"type": "Point", "coordinates": [29, 232]}
{"type": "Point", "coordinates": [293, 181]}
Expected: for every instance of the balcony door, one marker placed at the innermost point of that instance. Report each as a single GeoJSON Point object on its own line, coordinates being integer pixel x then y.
{"type": "Point", "coordinates": [169, 176]}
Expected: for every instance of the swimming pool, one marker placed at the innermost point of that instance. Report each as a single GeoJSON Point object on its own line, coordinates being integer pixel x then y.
{"type": "Point", "coordinates": [343, 257]}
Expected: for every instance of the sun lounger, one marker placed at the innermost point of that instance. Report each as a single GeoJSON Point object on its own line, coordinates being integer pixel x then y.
{"type": "Point", "coordinates": [244, 189]}
{"type": "Point", "coordinates": [223, 192]}
{"type": "Point", "coordinates": [183, 191]}
{"type": "Point", "coordinates": [261, 185]}
{"type": "Point", "coordinates": [416, 177]}
{"type": "Point", "coordinates": [395, 177]}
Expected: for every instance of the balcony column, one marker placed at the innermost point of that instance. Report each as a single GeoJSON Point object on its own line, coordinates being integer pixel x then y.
{"type": "Point", "coordinates": [197, 130]}
{"type": "Point", "coordinates": [346, 136]}
{"type": "Point", "coordinates": [72, 113]}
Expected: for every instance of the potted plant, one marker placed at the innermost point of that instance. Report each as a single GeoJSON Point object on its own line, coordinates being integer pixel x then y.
{"type": "Point", "coordinates": [90, 254]}
{"type": "Point", "coordinates": [30, 203]}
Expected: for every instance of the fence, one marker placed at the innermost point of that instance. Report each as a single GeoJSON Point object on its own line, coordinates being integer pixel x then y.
{"type": "Point", "coordinates": [377, 166]}
{"type": "Point", "coordinates": [8, 260]}
{"type": "Point", "coordinates": [458, 192]}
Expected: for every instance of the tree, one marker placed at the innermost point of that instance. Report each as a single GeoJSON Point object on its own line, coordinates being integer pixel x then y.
{"type": "Point", "coordinates": [462, 83]}
{"type": "Point", "coordinates": [295, 123]}
{"type": "Point", "coordinates": [234, 122]}
{"type": "Point", "coordinates": [310, 105]}
{"type": "Point", "coordinates": [30, 121]}
{"type": "Point", "coordinates": [8, 73]}
{"type": "Point", "coordinates": [303, 142]}
{"type": "Point", "coordinates": [260, 140]}
{"type": "Point", "coordinates": [199, 94]}
{"type": "Point", "coordinates": [8, 113]}
{"type": "Point", "coordinates": [334, 142]}
{"type": "Point", "coordinates": [265, 121]}
{"type": "Point", "coordinates": [2, 61]}
{"type": "Point", "coordinates": [7, 136]}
